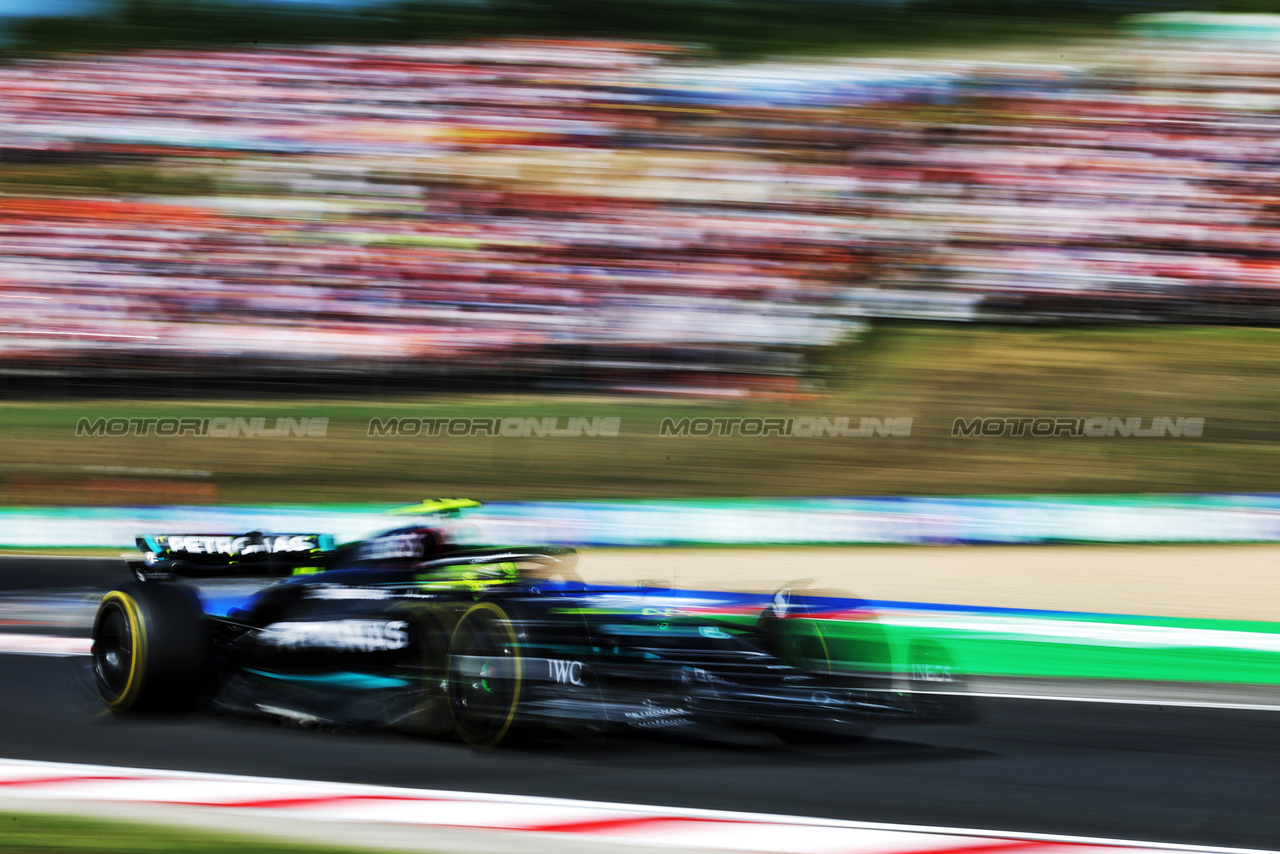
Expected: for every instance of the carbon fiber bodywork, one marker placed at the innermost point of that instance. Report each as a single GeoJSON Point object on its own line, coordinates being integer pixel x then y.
{"type": "Point", "coordinates": [409, 630]}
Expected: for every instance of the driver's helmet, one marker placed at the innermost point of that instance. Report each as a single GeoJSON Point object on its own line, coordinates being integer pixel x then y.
{"type": "Point", "coordinates": [464, 575]}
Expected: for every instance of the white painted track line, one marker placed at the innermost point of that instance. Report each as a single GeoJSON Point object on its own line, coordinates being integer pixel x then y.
{"type": "Point", "coordinates": [1117, 701]}
{"type": "Point", "coordinates": [546, 818]}
{"type": "Point", "coordinates": [32, 644]}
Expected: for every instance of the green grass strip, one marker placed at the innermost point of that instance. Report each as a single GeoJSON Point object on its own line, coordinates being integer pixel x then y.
{"type": "Point", "coordinates": [1146, 649]}
{"type": "Point", "coordinates": [1024, 644]}
{"type": "Point", "coordinates": [61, 834]}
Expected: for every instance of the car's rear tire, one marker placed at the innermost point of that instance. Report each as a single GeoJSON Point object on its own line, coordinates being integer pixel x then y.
{"type": "Point", "coordinates": [150, 648]}
{"type": "Point", "coordinates": [486, 675]}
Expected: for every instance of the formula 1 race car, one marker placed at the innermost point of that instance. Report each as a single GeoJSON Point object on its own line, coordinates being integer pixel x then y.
{"type": "Point", "coordinates": [422, 629]}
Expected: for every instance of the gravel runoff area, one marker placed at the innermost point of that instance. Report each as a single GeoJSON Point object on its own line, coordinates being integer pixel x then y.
{"type": "Point", "coordinates": [1204, 581]}
{"type": "Point", "coordinates": [1199, 581]}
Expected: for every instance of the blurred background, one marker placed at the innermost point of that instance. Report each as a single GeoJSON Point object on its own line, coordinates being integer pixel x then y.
{"type": "Point", "coordinates": [507, 208]}
{"type": "Point", "coordinates": [292, 224]}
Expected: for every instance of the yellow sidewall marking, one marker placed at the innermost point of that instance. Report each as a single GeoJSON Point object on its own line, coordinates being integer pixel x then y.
{"type": "Point", "coordinates": [138, 655]}
{"type": "Point", "coordinates": [505, 622]}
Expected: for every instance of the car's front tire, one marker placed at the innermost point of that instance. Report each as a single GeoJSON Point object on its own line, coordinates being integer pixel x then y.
{"type": "Point", "coordinates": [486, 674]}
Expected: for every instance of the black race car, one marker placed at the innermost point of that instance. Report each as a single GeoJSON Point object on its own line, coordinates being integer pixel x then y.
{"type": "Point", "coordinates": [425, 629]}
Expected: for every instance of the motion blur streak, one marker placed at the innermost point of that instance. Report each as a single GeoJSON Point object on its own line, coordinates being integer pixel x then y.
{"type": "Point", "coordinates": [615, 204]}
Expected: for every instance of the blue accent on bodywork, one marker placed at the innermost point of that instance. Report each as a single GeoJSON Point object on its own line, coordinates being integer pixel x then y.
{"type": "Point", "coordinates": [343, 680]}
{"type": "Point", "coordinates": [221, 606]}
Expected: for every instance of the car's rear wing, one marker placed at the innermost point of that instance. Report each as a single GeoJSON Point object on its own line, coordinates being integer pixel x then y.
{"type": "Point", "coordinates": [166, 556]}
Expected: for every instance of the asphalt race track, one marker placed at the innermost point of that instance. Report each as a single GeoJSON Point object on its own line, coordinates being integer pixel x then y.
{"type": "Point", "coordinates": [1163, 774]}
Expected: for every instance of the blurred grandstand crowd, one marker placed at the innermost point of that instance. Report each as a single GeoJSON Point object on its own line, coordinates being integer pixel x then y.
{"type": "Point", "coordinates": [622, 212]}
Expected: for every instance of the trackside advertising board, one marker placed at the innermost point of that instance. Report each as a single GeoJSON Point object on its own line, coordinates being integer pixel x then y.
{"type": "Point", "coordinates": [794, 521]}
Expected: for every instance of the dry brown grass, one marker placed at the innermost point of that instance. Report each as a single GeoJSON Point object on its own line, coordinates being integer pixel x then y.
{"type": "Point", "coordinates": [933, 374]}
